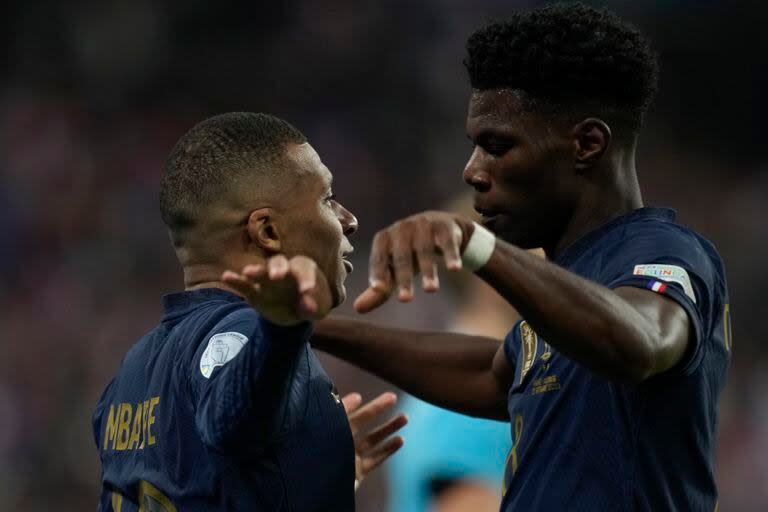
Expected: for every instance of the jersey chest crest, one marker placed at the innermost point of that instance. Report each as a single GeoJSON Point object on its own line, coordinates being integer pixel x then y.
{"type": "Point", "coordinates": [534, 355]}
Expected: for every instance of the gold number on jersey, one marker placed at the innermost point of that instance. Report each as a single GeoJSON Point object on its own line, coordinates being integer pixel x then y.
{"type": "Point", "coordinates": [117, 502]}
{"type": "Point", "coordinates": [512, 457]}
{"type": "Point", "coordinates": [727, 334]}
{"type": "Point", "coordinates": [152, 500]}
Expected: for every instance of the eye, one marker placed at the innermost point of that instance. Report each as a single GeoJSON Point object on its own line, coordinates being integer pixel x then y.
{"type": "Point", "coordinates": [497, 149]}
{"type": "Point", "coordinates": [330, 198]}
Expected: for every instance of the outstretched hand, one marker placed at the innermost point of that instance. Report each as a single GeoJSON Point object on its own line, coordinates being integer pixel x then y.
{"type": "Point", "coordinates": [409, 247]}
{"type": "Point", "coordinates": [375, 446]}
{"type": "Point", "coordinates": [284, 291]}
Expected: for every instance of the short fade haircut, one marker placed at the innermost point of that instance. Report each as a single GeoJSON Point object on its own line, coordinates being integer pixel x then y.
{"type": "Point", "coordinates": [213, 156]}
{"type": "Point", "coordinates": [570, 57]}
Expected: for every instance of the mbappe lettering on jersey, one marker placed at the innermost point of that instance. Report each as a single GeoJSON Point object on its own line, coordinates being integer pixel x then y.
{"type": "Point", "coordinates": [129, 427]}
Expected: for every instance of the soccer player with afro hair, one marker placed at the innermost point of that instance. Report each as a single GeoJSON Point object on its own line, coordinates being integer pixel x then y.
{"type": "Point", "coordinates": [611, 378]}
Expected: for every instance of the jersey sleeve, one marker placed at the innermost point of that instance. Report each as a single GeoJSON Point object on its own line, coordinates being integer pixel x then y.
{"type": "Point", "coordinates": [240, 379]}
{"type": "Point", "coordinates": [510, 344]}
{"type": "Point", "coordinates": [670, 261]}
{"type": "Point", "coordinates": [96, 419]}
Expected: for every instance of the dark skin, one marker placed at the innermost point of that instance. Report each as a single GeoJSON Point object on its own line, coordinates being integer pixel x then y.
{"type": "Point", "coordinates": [284, 247]}
{"type": "Point", "coordinates": [537, 183]}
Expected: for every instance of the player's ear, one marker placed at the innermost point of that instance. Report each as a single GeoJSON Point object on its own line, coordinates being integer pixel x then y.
{"type": "Point", "coordinates": [263, 231]}
{"type": "Point", "coordinates": [591, 138]}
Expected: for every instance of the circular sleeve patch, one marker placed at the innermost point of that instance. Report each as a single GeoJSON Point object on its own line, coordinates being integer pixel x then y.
{"type": "Point", "coordinates": [221, 349]}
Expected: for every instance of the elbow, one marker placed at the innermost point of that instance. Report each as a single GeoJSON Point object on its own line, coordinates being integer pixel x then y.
{"type": "Point", "coordinates": [637, 361]}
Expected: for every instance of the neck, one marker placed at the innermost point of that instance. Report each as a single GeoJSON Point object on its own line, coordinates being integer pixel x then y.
{"type": "Point", "coordinates": [197, 276]}
{"type": "Point", "coordinates": [614, 193]}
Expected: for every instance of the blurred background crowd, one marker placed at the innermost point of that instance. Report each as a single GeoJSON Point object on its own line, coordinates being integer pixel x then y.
{"type": "Point", "coordinates": [94, 94]}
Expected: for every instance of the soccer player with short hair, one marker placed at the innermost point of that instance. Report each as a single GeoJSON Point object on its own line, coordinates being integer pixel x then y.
{"type": "Point", "coordinates": [224, 405]}
{"type": "Point", "coordinates": [611, 381]}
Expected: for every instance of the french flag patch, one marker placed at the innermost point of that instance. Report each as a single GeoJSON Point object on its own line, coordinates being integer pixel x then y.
{"type": "Point", "coordinates": [657, 286]}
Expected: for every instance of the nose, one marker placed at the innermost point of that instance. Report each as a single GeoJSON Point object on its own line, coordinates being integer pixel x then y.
{"type": "Point", "coordinates": [348, 221]}
{"type": "Point", "coordinates": [473, 174]}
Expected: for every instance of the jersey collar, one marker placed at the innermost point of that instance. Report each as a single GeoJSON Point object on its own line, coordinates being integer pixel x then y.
{"type": "Point", "coordinates": [182, 302]}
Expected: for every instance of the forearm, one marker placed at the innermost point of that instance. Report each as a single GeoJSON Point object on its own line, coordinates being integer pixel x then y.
{"type": "Point", "coordinates": [584, 320]}
{"type": "Point", "coordinates": [447, 369]}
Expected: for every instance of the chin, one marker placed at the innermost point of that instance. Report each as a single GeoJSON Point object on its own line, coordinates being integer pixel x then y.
{"type": "Point", "coordinates": [338, 295]}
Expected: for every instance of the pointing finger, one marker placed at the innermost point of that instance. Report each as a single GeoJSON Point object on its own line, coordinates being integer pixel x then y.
{"type": "Point", "coordinates": [448, 239]}
{"type": "Point", "coordinates": [369, 300]}
{"type": "Point", "coordinates": [424, 247]}
{"type": "Point", "coordinates": [378, 264]}
{"type": "Point", "coordinates": [402, 260]}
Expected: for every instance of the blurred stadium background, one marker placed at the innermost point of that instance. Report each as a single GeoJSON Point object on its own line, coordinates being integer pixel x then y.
{"type": "Point", "coordinates": [93, 95]}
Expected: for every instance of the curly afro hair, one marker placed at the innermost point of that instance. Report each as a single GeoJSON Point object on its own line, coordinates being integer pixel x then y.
{"type": "Point", "coordinates": [570, 56]}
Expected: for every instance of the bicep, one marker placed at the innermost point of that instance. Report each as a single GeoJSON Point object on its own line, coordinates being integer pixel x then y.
{"type": "Point", "coordinates": [667, 322]}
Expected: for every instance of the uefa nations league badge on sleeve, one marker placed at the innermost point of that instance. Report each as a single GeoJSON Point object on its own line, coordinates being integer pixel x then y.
{"type": "Point", "coordinates": [221, 349]}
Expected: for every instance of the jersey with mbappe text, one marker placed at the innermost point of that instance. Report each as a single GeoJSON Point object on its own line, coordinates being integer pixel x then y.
{"type": "Point", "coordinates": [584, 443]}
{"type": "Point", "coordinates": [218, 409]}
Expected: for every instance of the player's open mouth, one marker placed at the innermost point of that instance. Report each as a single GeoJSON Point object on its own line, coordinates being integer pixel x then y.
{"type": "Point", "coordinates": [488, 216]}
{"type": "Point", "coordinates": [347, 264]}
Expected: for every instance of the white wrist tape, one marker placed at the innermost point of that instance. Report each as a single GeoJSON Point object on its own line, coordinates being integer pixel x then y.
{"type": "Point", "coordinates": [357, 484]}
{"type": "Point", "coordinates": [479, 248]}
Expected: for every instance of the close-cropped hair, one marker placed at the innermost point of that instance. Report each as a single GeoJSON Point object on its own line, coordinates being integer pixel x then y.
{"type": "Point", "coordinates": [567, 57]}
{"type": "Point", "coordinates": [213, 156]}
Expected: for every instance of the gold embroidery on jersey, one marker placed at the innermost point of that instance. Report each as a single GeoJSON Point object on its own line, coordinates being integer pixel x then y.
{"type": "Point", "coordinates": [529, 344]}
{"type": "Point", "coordinates": [547, 352]}
{"type": "Point", "coordinates": [544, 384]}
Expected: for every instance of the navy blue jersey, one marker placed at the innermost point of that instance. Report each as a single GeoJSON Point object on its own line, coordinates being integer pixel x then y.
{"type": "Point", "coordinates": [219, 409]}
{"type": "Point", "coordinates": [584, 443]}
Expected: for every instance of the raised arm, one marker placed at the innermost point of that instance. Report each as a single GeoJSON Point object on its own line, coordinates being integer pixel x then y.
{"type": "Point", "coordinates": [625, 334]}
{"type": "Point", "coordinates": [286, 293]}
{"type": "Point", "coordinates": [468, 374]}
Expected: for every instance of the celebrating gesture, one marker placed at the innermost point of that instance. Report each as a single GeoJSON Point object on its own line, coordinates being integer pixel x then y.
{"type": "Point", "coordinates": [411, 246]}
{"type": "Point", "coordinates": [284, 291]}
{"type": "Point", "coordinates": [227, 388]}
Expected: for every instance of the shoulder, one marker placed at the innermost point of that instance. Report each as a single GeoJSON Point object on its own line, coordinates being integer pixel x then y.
{"type": "Point", "coordinates": [242, 319]}
{"type": "Point", "coordinates": [651, 241]}
{"type": "Point", "coordinates": [669, 259]}
{"type": "Point", "coordinates": [238, 317]}
{"type": "Point", "coordinates": [225, 335]}
{"type": "Point", "coordinates": [214, 319]}
{"type": "Point", "coordinates": [222, 335]}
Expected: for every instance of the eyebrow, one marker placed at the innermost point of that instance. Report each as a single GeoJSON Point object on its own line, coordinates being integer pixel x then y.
{"type": "Point", "coordinates": [491, 134]}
